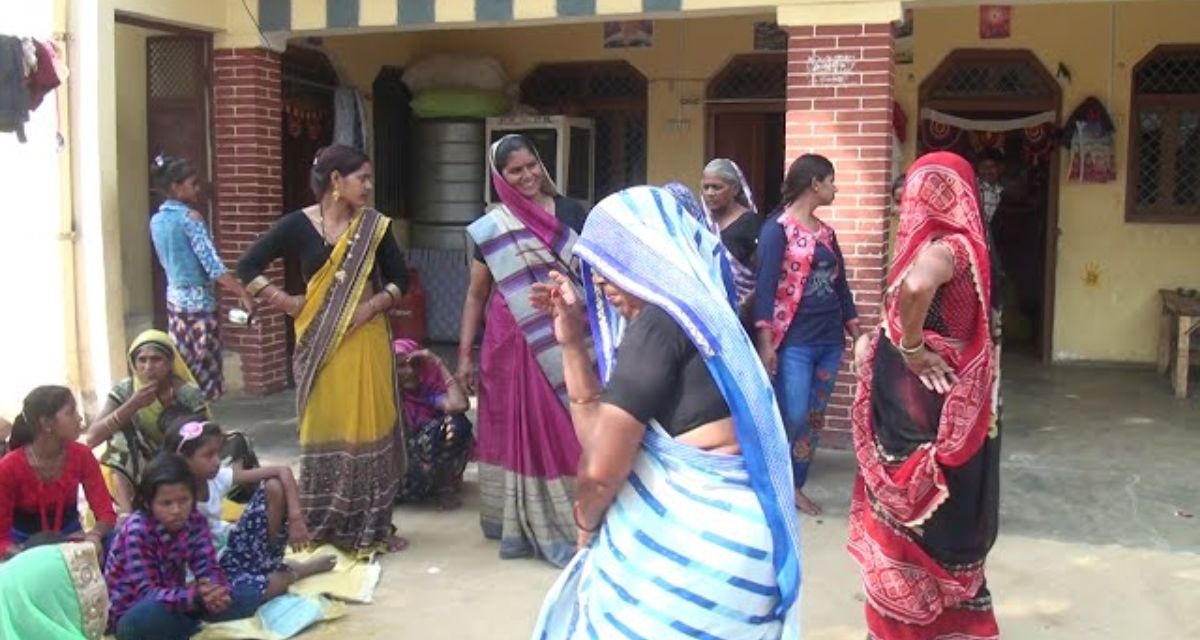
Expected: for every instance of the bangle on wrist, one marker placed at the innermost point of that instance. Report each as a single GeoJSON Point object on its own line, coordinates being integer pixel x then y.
{"type": "Point", "coordinates": [910, 351]}
{"type": "Point", "coordinates": [584, 401]}
{"type": "Point", "coordinates": [257, 285]}
{"type": "Point", "coordinates": [393, 292]}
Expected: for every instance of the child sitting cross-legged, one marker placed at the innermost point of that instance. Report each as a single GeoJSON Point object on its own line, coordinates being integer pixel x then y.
{"type": "Point", "coordinates": [162, 541]}
{"type": "Point", "coordinates": [251, 550]}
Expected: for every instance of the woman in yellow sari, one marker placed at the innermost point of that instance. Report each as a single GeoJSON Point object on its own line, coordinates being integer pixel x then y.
{"type": "Point", "coordinates": [133, 421]}
{"type": "Point", "coordinates": [350, 441]}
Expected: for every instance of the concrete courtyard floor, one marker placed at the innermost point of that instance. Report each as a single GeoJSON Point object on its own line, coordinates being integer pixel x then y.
{"type": "Point", "coordinates": [1100, 525]}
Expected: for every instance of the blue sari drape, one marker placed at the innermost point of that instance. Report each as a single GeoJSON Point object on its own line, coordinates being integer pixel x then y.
{"type": "Point", "coordinates": [712, 576]}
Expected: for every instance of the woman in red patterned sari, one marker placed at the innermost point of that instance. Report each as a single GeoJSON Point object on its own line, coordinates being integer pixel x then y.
{"type": "Point", "coordinates": [926, 421]}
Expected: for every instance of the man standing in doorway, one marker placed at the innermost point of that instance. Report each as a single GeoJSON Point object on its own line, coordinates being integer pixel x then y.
{"type": "Point", "coordinates": [989, 166]}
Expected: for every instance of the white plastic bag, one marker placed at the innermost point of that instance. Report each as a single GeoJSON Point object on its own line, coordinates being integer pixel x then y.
{"type": "Point", "coordinates": [456, 71]}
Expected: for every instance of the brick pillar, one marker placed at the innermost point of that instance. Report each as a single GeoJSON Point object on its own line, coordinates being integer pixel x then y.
{"type": "Point", "coordinates": [839, 105]}
{"type": "Point", "coordinates": [249, 195]}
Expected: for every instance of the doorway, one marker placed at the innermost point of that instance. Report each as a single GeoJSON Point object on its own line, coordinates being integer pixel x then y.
{"type": "Point", "coordinates": [177, 88]}
{"type": "Point", "coordinates": [307, 85]}
{"type": "Point", "coordinates": [746, 122]}
{"type": "Point", "coordinates": [1003, 105]}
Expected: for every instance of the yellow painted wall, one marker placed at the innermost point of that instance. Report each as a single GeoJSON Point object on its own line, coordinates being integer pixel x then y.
{"type": "Point", "coordinates": [1117, 318]}
{"type": "Point", "coordinates": [208, 15]}
{"type": "Point", "coordinates": [686, 53]}
{"type": "Point", "coordinates": [132, 178]}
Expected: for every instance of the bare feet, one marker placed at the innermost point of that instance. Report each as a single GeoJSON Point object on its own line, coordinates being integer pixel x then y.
{"type": "Point", "coordinates": [312, 567]}
{"type": "Point", "coordinates": [396, 543]}
{"type": "Point", "coordinates": [807, 504]}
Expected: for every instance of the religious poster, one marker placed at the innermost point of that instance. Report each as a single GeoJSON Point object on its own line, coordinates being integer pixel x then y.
{"type": "Point", "coordinates": [621, 34]}
{"type": "Point", "coordinates": [769, 36]}
{"type": "Point", "coordinates": [995, 21]}
{"type": "Point", "coordinates": [902, 35]}
{"type": "Point", "coordinates": [1089, 136]}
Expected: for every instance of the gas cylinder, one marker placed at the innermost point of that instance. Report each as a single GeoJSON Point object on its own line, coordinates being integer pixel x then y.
{"type": "Point", "coordinates": [408, 317]}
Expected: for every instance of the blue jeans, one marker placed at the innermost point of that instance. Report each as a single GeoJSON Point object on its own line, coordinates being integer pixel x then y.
{"type": "Point", "coordinates": [152, 620]}
{"type": "Point", "coordinates": [804, 381]}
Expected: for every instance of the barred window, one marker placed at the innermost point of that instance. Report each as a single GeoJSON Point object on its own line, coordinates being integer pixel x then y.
{"type": "Point", "coordinates": [613, 94]}
{"type": "Point", "coordinates": [1164, 137]}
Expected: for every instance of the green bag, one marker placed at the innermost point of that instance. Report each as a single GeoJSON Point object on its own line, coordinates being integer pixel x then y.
{"type": "Point", "coordinates": [459, 103]}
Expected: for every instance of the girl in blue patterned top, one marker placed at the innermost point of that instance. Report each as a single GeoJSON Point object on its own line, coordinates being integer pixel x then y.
{"type": "Point", "coordinates": [186, 252]}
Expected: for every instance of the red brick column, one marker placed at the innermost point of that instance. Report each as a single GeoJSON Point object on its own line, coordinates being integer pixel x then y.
{"type": "Point", "coordinates": [839, 105]}
{"type": "Point", "coordinates": [249, 195]}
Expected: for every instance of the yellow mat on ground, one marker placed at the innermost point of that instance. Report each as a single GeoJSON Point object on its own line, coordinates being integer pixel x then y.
{"type": "Point", "coordinates": [256, 628]}
{"type": "Point", "coordinates": [352, 580]}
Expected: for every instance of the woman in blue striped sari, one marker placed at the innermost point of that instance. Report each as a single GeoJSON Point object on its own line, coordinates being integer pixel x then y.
{"type": "Point", "coordinates": [685, 516]}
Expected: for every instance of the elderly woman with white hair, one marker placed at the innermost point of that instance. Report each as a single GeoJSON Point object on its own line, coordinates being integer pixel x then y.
{"type": "Point", "coordinates": [733, 217]}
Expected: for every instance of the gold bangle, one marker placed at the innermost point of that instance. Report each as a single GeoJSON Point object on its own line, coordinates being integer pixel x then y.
{"type": "Point", "coordinates": [255, 286]}
{"type": "Point", "coordinates": [393, 292]}
{"type": "Point", "coordinates": [585, 401]}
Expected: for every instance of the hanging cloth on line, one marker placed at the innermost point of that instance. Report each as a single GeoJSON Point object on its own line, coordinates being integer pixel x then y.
{"type": "Point", "coordinates": [940, 131]}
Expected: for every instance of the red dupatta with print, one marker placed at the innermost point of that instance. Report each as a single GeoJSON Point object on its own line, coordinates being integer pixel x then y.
{"type": "Point", "coordinates": [898, 493]}
{"type": "Point", "coordinates": [797, 266]}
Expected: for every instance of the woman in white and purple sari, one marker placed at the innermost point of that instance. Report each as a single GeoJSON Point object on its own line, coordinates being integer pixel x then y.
{"type": "Point", "coordinates": [526, 445]}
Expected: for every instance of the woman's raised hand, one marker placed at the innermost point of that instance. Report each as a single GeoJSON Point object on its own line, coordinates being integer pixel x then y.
{"type": "Point", "coordinates": [935, 373]}
{"type": "Point", "coordinates": [561, 300]}
{"type": "Point", "coordinates": [143, 397]}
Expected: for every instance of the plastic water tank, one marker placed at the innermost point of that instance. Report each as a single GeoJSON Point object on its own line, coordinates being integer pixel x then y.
{"type": "Point", "coordinates": [447, 171]}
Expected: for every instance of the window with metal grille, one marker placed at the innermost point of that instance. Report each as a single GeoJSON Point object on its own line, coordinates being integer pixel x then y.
{"type": "Point", "coordinates": [1164, 137]}
{"type": "Point", "coordinates": [749, 77]}
{"type": "Point", "coordinates": [613, 94]}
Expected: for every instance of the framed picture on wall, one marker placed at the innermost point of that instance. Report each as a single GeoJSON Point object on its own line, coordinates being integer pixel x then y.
{"type": "Point", "coordinates": [621, 34]}
{"type": "Point", "coordinates": [995, 21]}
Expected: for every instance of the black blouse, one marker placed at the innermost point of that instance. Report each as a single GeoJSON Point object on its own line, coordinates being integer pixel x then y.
{"type": "Point", "coordinates": [295, 236]}
{"type": "Point", "coordinates": [741, 237]}
{"type": "Point", "coordinates": [566, 211]}
{"type": "Point", "coordinates": [660, 374]}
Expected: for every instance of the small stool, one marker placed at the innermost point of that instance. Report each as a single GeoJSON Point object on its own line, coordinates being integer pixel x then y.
{"type": "Point", "coordinates": [1180, 318]}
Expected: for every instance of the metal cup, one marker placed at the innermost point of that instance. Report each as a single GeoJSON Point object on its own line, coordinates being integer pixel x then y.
{"type": "Point", "coordinates": [240, 317]}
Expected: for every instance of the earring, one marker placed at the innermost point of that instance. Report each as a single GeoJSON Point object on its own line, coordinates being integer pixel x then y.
{"type": "Point", "coordinates": [337, 195]}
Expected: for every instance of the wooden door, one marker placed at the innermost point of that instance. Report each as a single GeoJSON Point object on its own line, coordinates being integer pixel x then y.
{"type": "Point", "coordinates": [177, 90]}
{"type": "Point", "coordinates": [753, 139]}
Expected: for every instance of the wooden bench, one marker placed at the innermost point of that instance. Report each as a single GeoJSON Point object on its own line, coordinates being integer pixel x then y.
{"type": "Point", "coordinates": [1180, 318]}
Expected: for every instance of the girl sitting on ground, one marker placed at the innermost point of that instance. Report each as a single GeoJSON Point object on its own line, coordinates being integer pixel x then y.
{"type": "Point", "coordinates": [437, 434]}
{"type": "Point", "coordinates": [252, 549]}
{"type": "Point", "coordinates": [165, 539]}
{"type": "Point", "coordinates": [40, 478]}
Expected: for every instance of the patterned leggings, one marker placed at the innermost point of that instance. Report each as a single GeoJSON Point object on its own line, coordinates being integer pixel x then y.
{"type": "Point", "coordinates": [197, 337]}
{"type": "Point", "coordinates": [250, 555]}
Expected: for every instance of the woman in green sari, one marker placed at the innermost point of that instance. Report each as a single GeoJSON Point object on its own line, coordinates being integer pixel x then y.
{"type": "Point", "coordinates": [131, 422]}
{"type": "Point", "coordinates": [53, 592]}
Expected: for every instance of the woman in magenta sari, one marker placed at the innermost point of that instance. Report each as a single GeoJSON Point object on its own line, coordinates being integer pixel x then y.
{"type": "Point", "coordinates": [526, 443]}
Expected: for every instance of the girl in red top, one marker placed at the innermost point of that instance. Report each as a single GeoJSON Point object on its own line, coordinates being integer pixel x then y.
{"type": "Point", "coordinates": [41, 476]}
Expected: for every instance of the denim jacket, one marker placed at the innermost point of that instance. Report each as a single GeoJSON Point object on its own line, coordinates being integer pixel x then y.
{"type": "Point", "coordinates": [187, 255]}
